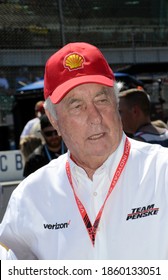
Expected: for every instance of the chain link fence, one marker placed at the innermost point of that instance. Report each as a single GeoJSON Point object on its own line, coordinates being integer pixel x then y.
{"type": "Point", "coordinates": [30, 27]}
{"type": "Point", "coordinates": [52, 23]}
{"type": "Point", "coordinates": [36, 25]}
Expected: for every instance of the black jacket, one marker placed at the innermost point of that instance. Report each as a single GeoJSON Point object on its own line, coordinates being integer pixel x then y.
{"type": "Point", "coordinates": [40, 157]}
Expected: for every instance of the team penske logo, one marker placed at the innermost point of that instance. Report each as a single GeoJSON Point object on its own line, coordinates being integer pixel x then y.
{"type": "Point", "coordinates": [74, 61]}
{"type": "Point", "coordinates": [142, 212]}
{"type": "Point", "coordinates": [57, 225]}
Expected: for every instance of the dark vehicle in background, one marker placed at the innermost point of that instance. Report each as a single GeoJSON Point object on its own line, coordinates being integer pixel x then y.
{"type": "Point", "coordinates": [128, 81]}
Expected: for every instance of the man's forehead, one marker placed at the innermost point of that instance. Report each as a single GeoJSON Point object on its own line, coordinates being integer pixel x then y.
{"type": "Point", "coordinates": [91, 87]}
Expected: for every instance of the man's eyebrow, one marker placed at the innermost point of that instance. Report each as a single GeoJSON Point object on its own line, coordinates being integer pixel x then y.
{"type": "Point", "coordinates": [102, 91]}
{"type": "Point", "coordinates": [72, 100]}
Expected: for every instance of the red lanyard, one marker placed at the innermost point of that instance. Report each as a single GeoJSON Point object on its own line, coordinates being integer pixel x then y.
{"type": "Point", "coordinates": [92, 229]}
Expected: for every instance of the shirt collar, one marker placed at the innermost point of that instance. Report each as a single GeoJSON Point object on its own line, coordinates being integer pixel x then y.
{"type": "Point", "coordinates": [108, 166]}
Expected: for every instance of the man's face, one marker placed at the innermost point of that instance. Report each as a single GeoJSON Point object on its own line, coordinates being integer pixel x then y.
{"type": "Point", "coordinates": [127, 116]}
{"type": "Point", "coordinates": [51, 137]}
{"type": "Point", "coordinates": [89, 121]}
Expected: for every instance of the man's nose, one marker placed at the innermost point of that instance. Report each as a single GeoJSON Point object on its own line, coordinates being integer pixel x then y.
{"type": "Point", "coordinates": [94, 115]}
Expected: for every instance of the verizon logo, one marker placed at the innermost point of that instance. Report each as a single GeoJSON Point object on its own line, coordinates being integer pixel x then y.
{"type": "Point", "coordinates": [57, 225]}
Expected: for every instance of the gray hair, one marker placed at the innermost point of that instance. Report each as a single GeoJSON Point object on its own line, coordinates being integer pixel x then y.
{"type": "Point", "coordinates": [51, 107]}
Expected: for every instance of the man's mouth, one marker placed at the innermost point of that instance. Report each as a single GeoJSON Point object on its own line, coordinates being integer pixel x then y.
{"type": "Point", "coordinates": [96, 136]}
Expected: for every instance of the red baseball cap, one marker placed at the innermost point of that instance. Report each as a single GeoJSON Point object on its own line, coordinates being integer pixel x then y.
{"type": "Point", "coordinates": [73, 65]}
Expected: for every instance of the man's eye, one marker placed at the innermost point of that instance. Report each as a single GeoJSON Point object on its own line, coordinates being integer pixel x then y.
{"type": "Point", "coordinates": [77, 106]}
{"type": "Point", "coordinates": [102, 100]}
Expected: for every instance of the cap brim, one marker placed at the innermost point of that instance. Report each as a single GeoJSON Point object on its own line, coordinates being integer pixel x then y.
{"type": "Point", "coordinates": [59, 93]}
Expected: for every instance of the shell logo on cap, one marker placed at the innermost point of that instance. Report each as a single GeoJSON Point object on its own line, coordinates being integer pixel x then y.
{"type": "Point", "coordinates": [74, 61]}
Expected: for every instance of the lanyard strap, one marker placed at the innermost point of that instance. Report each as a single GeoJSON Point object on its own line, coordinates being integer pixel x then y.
{"type": "Point", "coordinates": [92, 229]}
{"type": "Point", "coordinates": [47, 152]}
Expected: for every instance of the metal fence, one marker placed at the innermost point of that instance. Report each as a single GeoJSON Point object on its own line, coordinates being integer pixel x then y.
{"type": "Point", "coordinates": [35, 27]}
{"type": "Point", "coordinates": [52, 23]}
{"type": "Point", "coordinates": [38, 25]}
{"type": "Point", "coordinates": [49, 24]}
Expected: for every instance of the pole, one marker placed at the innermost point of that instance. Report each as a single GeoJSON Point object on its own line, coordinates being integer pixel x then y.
{"type": "Point", "coordinates": [63, 41]}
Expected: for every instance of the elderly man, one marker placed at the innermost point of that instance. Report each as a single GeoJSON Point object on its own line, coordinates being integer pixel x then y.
{"type": "Point", "coordinates": [106, 198]}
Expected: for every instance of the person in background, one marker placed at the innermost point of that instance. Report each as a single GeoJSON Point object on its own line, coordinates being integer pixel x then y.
{"type": "Point", "coordinates": [44, 153]}
{"type": "Point", "coordinates": [28, 145]}
{"type": "Point", "coordinates": [134, 107]}
{"type": "Point", "coordinates": [4, 84]}
{"type": "Point", "coordinates": [32, 127]}
{"type": "Point", "coordinates": [106, 198]}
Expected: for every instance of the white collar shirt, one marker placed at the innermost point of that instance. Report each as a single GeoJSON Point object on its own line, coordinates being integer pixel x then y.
{"type": "Point", "coordinates": [43, 221]}
{"type": "Point", "coordinates": [92, 193]}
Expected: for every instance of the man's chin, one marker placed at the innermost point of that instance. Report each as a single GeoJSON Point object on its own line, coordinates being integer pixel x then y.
{"type": "Point", "coordinates": [99, 153]}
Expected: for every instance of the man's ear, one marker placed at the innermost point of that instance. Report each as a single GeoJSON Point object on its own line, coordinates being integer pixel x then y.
{"type": "Point", "coordinates": [53, 121]}
{"type": "Point", "coordinates": [136, 110]}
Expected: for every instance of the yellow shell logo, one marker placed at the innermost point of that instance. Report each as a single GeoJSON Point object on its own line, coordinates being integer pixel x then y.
{"type": "Point", "coordinates": [74, 61]}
